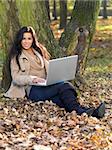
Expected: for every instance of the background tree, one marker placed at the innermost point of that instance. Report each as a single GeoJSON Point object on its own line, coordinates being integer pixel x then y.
{"type": "Point", "coordinates": [54, 13]}
{"type": "Point", "coordinates": [104, 3]}
{"type": "Point", "coordinates": [11, 27]}
{"type": "Point", "coordinates": [48, 9]}
{"type": "Point", "coordinates": [63, 13]}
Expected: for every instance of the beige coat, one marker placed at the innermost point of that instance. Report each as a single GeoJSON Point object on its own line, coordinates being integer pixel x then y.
{"type": "Point", "coordinates": [21, 78]}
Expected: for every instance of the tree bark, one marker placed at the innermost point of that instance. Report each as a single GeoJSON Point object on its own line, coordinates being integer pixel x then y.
{"type": "Point", "coordinates": [47, 7]}
{"type": "Point", "coordinates": [105, 9]}
{"type": "Point", "coordinates": [63, 13]}
{"type": "Point", "coordinates": [54, 10]}
{"type": "Point", "coordinates": [78, 34]}
{"type": "Point", "coordinates": [12, 27]}
{"type": "Point", "coordinates": [44, 33]}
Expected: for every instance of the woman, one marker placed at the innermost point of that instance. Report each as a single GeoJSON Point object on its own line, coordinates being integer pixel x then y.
{"type": "Point", "coordinates": [28, 67]}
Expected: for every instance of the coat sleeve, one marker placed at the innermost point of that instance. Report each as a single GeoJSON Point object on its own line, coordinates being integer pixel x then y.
{"type": "Point", "coordinates": [20, 77]}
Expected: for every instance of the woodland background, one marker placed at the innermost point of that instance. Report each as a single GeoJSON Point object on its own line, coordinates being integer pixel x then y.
{"type": "Point", "coordinates": [50, 127]}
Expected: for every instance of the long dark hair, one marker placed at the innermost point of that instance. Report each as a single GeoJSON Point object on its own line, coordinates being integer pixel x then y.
{"type": "Point", "coordinates": [16, 48]}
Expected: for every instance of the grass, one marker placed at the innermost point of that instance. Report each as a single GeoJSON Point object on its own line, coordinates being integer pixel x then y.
{"type": "Point", "coordinates": [104, 28]}
{"type": "Point", "coordinates": [100, 56]}
{"type": "Point", "coordinates": [99, 61]}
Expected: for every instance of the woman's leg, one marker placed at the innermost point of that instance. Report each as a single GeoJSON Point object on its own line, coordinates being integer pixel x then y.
{"type": "Point", "coordinates": [68, 96]}
{"type": "Point", "coordinates": [53, 92]}
{"type": "Point", "coordinates": [64, 95]}
{"type": "Point", "coordinates": [43, 93]}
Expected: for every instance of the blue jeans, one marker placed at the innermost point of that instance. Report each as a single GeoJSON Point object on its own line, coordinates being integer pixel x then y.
{"type": "Point", "coordinates": [63, 94]}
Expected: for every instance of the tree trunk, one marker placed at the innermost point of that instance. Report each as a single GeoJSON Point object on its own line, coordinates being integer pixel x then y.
{"type": "Point", "coordinates": [105, 9]}
{"type": "Point", "coordinates": [54, 10]}
{"type": "Point", "coordinates": [79, 32]}
{"type": "Point", "coordinates": [12, 27]}
{"type": "Point", "coordinates": [63, 13]}
{"type": "Point", "coordinates": [47, 7]}
{"type": "Point", "coordinates": [44, 32]}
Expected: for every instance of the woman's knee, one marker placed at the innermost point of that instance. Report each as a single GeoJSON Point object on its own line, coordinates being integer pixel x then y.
{"type": "Point", "coordinates": [67, 86]}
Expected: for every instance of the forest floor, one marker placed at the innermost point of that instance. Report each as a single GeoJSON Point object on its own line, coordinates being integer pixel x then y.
{"type": "Point", "coordinates": [25, 125]}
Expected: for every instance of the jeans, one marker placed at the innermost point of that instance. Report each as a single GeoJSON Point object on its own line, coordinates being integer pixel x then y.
{"type": "Point", "coordinates": [63, 94]}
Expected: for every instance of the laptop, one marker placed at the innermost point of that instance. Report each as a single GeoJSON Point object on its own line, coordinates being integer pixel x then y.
{"type": "Point", "coordinates": [60, 69]}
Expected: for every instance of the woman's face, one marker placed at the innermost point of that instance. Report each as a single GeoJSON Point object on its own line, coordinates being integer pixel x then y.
{"type": "Point", "coordinates": [27, 41]}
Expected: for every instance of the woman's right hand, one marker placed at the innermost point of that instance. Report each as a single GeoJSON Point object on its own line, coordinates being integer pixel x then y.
{"type": "Point", "coordinates": [38, 80]}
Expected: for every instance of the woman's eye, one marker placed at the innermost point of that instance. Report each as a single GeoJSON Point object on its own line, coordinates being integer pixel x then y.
{"type": "Point", "coordinates": [26, 38]}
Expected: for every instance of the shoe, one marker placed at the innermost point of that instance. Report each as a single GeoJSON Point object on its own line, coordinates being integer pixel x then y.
{"type": "Point", "coordinates": [99, 112]}
{"type": "Point", "coordinates": [88, 111]}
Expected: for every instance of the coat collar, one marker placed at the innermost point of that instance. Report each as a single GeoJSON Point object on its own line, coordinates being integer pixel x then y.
{"type": "Point", "coordinates": [23, 56]}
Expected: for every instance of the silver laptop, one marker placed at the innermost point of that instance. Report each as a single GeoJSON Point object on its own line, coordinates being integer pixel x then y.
{"type": "Point", "coordinates": [60, 69]}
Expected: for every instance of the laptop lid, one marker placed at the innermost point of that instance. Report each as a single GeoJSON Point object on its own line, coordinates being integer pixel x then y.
{"type": "Point", "coordinates": [61, 69]}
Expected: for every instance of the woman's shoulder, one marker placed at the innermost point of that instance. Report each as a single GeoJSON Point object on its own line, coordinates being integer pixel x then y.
{"type": "Point", "coordinates": [20, 58]}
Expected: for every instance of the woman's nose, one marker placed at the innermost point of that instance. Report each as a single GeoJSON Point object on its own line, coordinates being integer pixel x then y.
{"type": "Point", "coordinates": [26, 41]}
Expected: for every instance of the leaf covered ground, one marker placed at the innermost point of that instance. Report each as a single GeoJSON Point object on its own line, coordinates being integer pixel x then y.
{"type": "Point", "coordinates": [25, 125]}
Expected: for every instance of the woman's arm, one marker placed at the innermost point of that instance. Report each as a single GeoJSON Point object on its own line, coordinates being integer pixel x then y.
{"type": "Point", "coordinates": [21, 78]}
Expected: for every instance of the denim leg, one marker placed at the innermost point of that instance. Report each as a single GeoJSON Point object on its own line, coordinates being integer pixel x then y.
{"type": "Point", "coordinates": [64, 95]}
{"type": "Point", "coordinates": [56, 99]}
{"type": "Point", "coordinates": [69, 100]}
{"type": "Point", "coordinates": [68, 96]}
{"type": "Point", "coordinates": [43, 93]}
